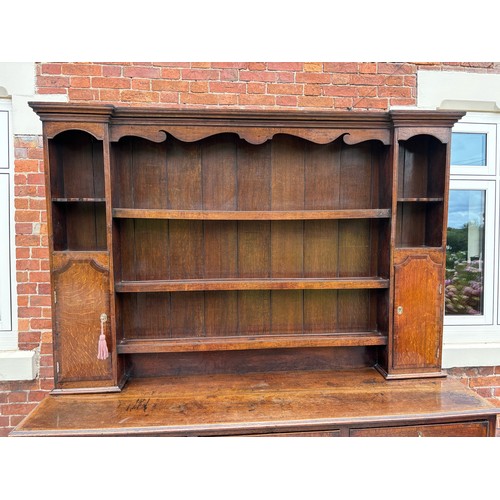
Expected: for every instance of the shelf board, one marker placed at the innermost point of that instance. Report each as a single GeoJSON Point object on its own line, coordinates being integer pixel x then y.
{"type": "Point", "coordinates": [250, 284]}
{"type": "Point", "coordinates": [419, 200]}
{"type": "Point", "coordinates": [232, 343]}
{"type": "Point", "coordinates": [143, 213]}
{"type": "Point", "coordinates": [79, 200]}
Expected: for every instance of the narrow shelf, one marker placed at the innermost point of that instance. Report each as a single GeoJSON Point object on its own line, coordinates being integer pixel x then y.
{"type": "Point", "coordinates": [79, 200]}
{"type": "Point", "coordinates": [250, 284]}
{"type": "Point", "coordinates": [419, 200]}
{"type": "Point", "coordinates": [142, 213]}
{"type": "Point", "coordinates": [130, 346]}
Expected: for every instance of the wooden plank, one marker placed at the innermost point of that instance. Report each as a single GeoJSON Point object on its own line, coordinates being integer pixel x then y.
{"type": "Point", "coordinates": [235, 343]}
{"type": "Point", "coordinates": [250, 284]}
{"type": "Point", "coordinates": [125, 213]}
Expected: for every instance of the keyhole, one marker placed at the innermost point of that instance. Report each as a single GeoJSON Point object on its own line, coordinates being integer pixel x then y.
{"type": "Point", "coordinates": [400, 310]}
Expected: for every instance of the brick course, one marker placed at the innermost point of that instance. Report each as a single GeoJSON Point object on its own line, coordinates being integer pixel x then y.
{"type": "Point", "coordinates": [300, 85]}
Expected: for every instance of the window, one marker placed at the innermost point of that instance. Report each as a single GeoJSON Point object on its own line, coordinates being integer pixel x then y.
{"type": "Point", "coordinates": [472, 271]}
{"type": "Point", "coordinates": [8, 336]}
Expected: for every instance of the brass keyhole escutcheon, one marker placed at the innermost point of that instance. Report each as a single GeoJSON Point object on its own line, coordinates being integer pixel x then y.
{"type": "Point", "coordinates": [400, 310]}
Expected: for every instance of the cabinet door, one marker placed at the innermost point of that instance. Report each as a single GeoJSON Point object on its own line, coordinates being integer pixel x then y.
{"type": "Point", "coordinates": [417, 314]}
{"type": "Point", "coordinates": [81, 295]}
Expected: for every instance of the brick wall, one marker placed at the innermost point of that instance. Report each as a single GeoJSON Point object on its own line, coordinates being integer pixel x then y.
{"type": "Point", "coordinates": [308, 85]}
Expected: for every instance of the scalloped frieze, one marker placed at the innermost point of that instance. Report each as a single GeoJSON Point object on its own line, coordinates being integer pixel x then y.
{"type": "Point", "coordinates": [253, 135]}
{"type": "Point", "coordinates": [442, 134]}
{"type": "Point", "coordinates": [52, 129]}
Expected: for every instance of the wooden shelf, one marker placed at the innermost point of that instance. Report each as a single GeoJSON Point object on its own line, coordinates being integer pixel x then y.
{"type": "Point", "coordinates": [250, 284]}
{"type": "Point", "coordinates": [251, 342]}
{"type": "Point", "coordinates": [419, 200]}
{"type": "Point", "coordinates": [79, 200]}
{"type": "Point", "coordinates": [141, 213]}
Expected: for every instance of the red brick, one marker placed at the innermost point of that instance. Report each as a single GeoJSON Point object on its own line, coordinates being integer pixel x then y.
{"type": "Point", "coordinates": [236, 65]}
{"type": "Point", "coordinates": [46, 349]}
{"type": "Point", "coordinates": [285, 89]}
{"type": "Point", "coordinates": [340, 90]}
{"type": "Point", "coordinates": [27, 240]}
{"type": "Point", "coordinates": [51, 69]}
{"type": "Point", "coordinates": [80, 81]}
{"type": "Point", "coordinates": [287, 100]}
{"type": "Point", "coordinates": [82, 94]}
{"type": "Point", "coordinates": [227, 99]}
{"type": "Point", "coordinates": [28, 265]}
{"type": "Point", "coordinates": [226, 87]}
{"type": "Point", "coordinates": [492, 381]}
{"type": "Point", "coordinates": [367, 67]}
{"type": "Point", "coordinates": [313, 66]}
{"type": "Point", "coordinates": [402, 102]}
{"type": "Point", "coordinates": [201, 64]}
{"type": "Point", "coordinates": [16, 420]}
{"type": "Point", "coordinates": [40, 253]}
{"type": "Point", "coordinates": [37, 204]}
{"type": "Point", "coordinates": [396, 68]}
{"type": "Point", "coordinates": [21, 203]}
{"type": "Point", "coordinates": [40, 300]}
{"type": "Point", "coordinates": [313, 78]}
{"type": "Point", "coordinates": [51, 90]}
{"type": "Point", "coordinates": [139, 96]}
{"type": "Point", "coordinates": [111, 83]}
{"type": "Point", "coordinates": [173, 64]}
{"type": "Point", "coordinates": [485, 392]}
{"type": "Point", "coordinates": [479, 371]}
{"type": "Point", "coordinates": [20, 179]}
{"type": "Point", "coordinates": [22, 253]}
{"type": "Point", "coordinates": [198, 99]}
{"type": "Point", "coordinates": [141, 84]}
{"type": "Point", "coordinates": [312, 89]}
{"type": "Point", "coordinates": [256, 100]}
{"type": "Point", "coordinates": [395, 80]}
{"type": "Point", "coordinates": [256, 88]}
{"type": "Point", "coordinates": [109, 95]}
{"type": "Point", "coordinates": [367, 79]}
{"type": "Point", "coordinates": [4, 421]}
{"type": "Point", "coordinates": [341, 67]}
{"type": "Point", "coordinates": [198, 87]}
{"type": "Point", "coordinates": [18, 409]}
{"type": "Point", "coordinates": [29, 312]}
{"type": "Point", "coordinates": [36, 396]}
{"type": "Point", "coordinates": [142, 72]}
{"type": "Point", "coordinates": [53, 81]}
{"type": "Point", "coordinates": [394, 92]}
{"type": "Point", "coordinates": [36, 179]}
{"type": "Point", "coordinates": [315, 101]}
{"type": "Point", "coordinates": [47, 384]}
{"type": "Point", "coordinates": [343, 102]}
{"type": "Point", "coordinates": [27, 216]}
{"type": "Point", "coordinates": [169, 97]}
{"type": "Point", "coordinates": [3, 396]}
{"type": "Point", "coordinates": [229, 75]}
{"type": "Point", "coordinates": [111, 71]}
{"type": "Point", "coordinates": [44, 288]}
{"type": "Point", "coordinates": [170, 74]}
{"type": "Point", "coordinates": [24, 228]}
{"type": "Point", "coordinates": [200, 74]}
{"type": "Point", "coordinates": [40, 277]}
{"type": "Point", "coordinates": [256, 66]}
{"type": "Point", "coordinates": [257, 76]}
{"type": "Point", "coordinates": [82, 69]}
{"type": "Point", "coordinates": [371, 103]}
{"type": "Point", "coordinates": [170, 86]}
{"type": "Point", "coordinates": [42, 324]}
{"type": "Point", "coordinates": [18, 397]}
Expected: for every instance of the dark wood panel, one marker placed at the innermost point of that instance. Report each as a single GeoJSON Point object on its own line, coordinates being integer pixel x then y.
{"type": "Point", "coordinates": [186, 249]}
{"type": "Point", "coordinates": [461, 429]}
{"type": "Point", "coordinates": [254, 312]}
{"type": "Point", "coordinates": [287, 249]}
{"type": "Point", "coordinates": [184, 175]}
{"type": "Point", "coordinates": [218, 157]}
{"type": "Point", "coordinates": [320, 311]}
{"type": "Point", "coordinates": [287, 311]}
{"type": "Point", "coordinates": [356, 177]}
{"type": "Point", "coordinates": [321, 243]}
{"type": "Point", "coordinates": [187, 312]}
{"type": "Point", "coordinates": [354, 248]}
{"type": "Point", "coordinates": [220, 239]}
{"type": "Point", "coordinates": [254, 176]}
{"type": "Point", "coordinates": [221, 314]}
{"type": "Point", "coordinates": [254, 249]}
{"type": "Point", "coordinates": [82, 294]}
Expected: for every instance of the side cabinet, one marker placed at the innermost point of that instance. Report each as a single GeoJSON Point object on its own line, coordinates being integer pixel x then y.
{"type": "Point", "coordinates": [418, 313]}
{"type": "Point", "coordinates": [81, 297]}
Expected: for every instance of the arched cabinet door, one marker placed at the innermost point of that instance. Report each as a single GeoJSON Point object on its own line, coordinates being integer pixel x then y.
{"type": "Point", "coordinates": [417, 315]}
{"type": "Point", "coordinates": [81, 296]}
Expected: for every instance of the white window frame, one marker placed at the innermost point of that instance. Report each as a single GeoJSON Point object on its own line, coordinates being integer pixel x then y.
{"type": "Point", "coordinates": [8, 296]}
{"type": "Point", "coordinates": [475, 340]}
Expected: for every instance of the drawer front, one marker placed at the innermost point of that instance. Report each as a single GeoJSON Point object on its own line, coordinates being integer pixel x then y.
{"type": "Point", "coordinates": [463, 429]}
{"type": "Point", "coordinates": [331, 433]}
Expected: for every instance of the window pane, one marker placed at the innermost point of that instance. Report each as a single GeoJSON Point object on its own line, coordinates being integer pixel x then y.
{"type": "Point", "coordinates": [464, 292]}
{"type": "Point", "coordinates": [468, 149]}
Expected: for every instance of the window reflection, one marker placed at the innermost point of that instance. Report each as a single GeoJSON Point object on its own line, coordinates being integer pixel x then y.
{"type": "Point", "coordinates": [464, 286]}
{"type": "Point", "coordinates": [468, 149]}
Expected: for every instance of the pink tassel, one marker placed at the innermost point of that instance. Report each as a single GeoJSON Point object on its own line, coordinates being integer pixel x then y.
{"type": "Point", "coordinates": [102, 348]}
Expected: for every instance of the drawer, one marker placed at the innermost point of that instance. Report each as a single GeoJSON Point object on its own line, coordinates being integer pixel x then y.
{"type": "Point", "coordinates": [461, 429]}
{"type": "Point", "coordinates": [331, 433]}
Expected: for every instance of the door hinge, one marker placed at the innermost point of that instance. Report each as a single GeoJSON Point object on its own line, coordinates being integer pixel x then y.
{"type": "Point", "coordinates": [57, 366]}
{"type": "Point", "coordinates": [440, 288]}
{"type": "Point", "coordinates": [55, 297]}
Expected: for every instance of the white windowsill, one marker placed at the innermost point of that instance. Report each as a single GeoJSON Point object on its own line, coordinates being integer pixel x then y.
{"type": "Point", "coordinates": [469, 354]}
{"type": "Point", "coordinates": [18, 365]}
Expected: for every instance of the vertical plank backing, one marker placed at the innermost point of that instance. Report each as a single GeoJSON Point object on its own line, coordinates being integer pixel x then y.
{"type": "Point", "coordinates": [254, 176]}
{"type": "Point", "coordinates": [322, 171]}
{"type": "Point", "coordinates": [151, 249]}
{"type": "Point", "coordinates": [149, 174]}
{"type": "Point", "coordinates": [254, 312]}
{"type": "Point", "coordinates": [287, 188]}
{"type": "Point", "coordinates": [186, 249]}
{"type": "Point", "coordinates": [354, 247]}
{"type": "Point", "coordinates": [123, 162]}
{"type": "Point", "coordinates": [287, 249]}
{"type": "Point", "coordinates": [321, 249]}
{"type": "Point", "coordinates": [187, 314]}
{"type": "Point", "coordinates": [221, 313]}
{"type": "Point", "coordinates": [356, 176]}
{"type": "Point", "coordinates": [287, 311]}
{"type": "Point", "coordinates": [184, 180]}
{"type": "Point", "coordinates": [354, 311]}
{"type": "Point", "coordinates": [254, 249]}
{"type": "Point", "coordinates": [320, 311]}
{"type": "Point", "coordinates": [413, 170]}
{"type": "Point", "coordinates": [220, 249]}
{"type": "Point", "coordinates": [146, 315]}
{"type": "Point", "coordinates": [219, 172]}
